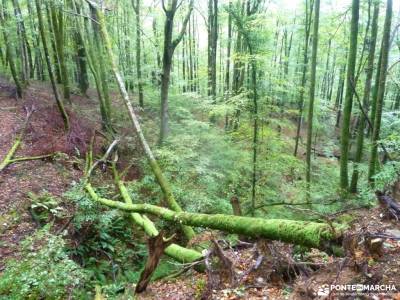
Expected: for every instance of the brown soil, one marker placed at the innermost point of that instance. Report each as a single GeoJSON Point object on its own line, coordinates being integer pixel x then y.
{"type": "Point", "coordinates": [44, 135]}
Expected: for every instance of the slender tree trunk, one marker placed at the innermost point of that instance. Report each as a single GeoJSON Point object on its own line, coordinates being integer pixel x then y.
{"type": "Point", "coordinates": [309, 9]}
{"type": "Point", "coordinates": [228, 64]}
{"type": "Point", "coordinates": [169, 48]}
{"type": "Point", "coordinates": [212, 29]}
{"type": "Point", "coordinates": [83, 78]}
{"type": "Point", "coordinates": [367, 89]}
{"type": "Point", "coordinates": [26, 48]}
{"type": "Point", "coordinates": [348, 100]}
{"type": "Point", "coordinates": [59, 31]}
{"type": "Point", "coordinates": [98, 58]}
{"type": "Point", "coordinates": [255, 132]}
{"type": "Point", "coordinates": [312, 92]}
{"type": "Point", "coordinates": [138, 51]}
{"type": "Point", "coordinates": [375, 93]}
{"type": "Point", "coordinates": [381, 92]}
{"type": "Point", "coordinates": [49, 66]}
{"type": "Point", "coordinates": [81, 58]}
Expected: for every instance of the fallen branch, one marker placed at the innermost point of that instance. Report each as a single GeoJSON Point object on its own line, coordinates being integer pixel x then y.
{"type": "Point", "coordinates": [310, 234]}
{"type": "Point", "coordinates": [103, 159]}
{"type": "Point", "coordinates": [9, 158]}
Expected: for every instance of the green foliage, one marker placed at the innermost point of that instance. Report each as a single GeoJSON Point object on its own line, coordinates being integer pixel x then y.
{"type": "Point", "coordinates": [203, 164]}
{"type": "Point", "coordinates": [108, 249]}
{"type": "Point", "coordinates": [44, 270]}
{"type": "Point", "coordinates": [387, 176]}
{"type": "Point", "coordinates": [44, 205]}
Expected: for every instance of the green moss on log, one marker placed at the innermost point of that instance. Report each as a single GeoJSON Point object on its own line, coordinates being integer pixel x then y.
{"type": "Point", "coordinates": [179, 253]}
{"type": "Point", "coordinates": [310, 234]}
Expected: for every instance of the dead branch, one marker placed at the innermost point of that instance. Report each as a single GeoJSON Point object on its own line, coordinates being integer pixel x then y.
{"type": "Point", "coordinates": [103, 159]}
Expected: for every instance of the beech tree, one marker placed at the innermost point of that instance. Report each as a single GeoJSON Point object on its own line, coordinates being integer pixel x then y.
{"type": "Point", "coordinates": [170, 8]}
{"type": "Point", "coordinates": [59, 101]}
{"type": "Point", "coordinates": [366, 96]}
{"type": "Point", "coordinates": [312, 89]}
{"type": "Point", "coordinates": [380, 91]}
{"type": "Point", "coordinates": [348, 100]}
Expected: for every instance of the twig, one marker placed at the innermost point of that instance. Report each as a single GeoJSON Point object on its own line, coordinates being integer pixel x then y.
{"type": "Point", "coordinates": [103, 159]}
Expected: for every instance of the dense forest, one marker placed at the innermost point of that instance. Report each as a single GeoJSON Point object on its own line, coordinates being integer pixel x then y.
{"type": "Point", "coordinates": [183, 149]}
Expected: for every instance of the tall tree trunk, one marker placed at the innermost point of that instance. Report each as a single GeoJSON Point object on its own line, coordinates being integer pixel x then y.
{"type": "Point", "coordinates": [212, 28]}
{"type": "Point", "coordinates": [26, 48]}
{"type": "Point", "coordinates": [93, 62]}
{"type": "Point", "coordinates": [381, 92]}
{"type": "Point", "coordinates": [98, 58]}
{"type": "Point", "coordinates": [81, 58]}
{"type": "Point", "coordinates": [49, 66]}
{"type": "Point", "coordinates": [59, 31]}
{"type": "Point", "coordinates": [374, 95]}
{"type": "Point", "coordinates": [227, 89]}
{"type": "Point", "coordinates": [365, 103]}
{"type": "Point", "coordinates": [309, 9]}
{"type": "Point", "coordinates": [83, 78]}
{"type": "Point", "coordinates": [348, 100]}
{"type": "Point", "coordinates": [169, 48]}
{"type": "Point", "coordinates": [136, 7]}
{"type": "Point", "coordinates": [312, 92]}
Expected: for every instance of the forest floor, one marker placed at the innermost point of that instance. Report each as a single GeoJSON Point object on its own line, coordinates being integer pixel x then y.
{"type": "Point", "coordinates": [43, 135]}
{"type": "Point", "coordinates": [260, 269]}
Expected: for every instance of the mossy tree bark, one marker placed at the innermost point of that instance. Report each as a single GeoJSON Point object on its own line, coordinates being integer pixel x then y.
{"type": "Point", "coordinates": [312, 92]}
{"type": "Point", "coordinates": [98, 57]}
{"type": "Point", "coordinates": [26, 53]}
{"type": "Point", "coordinates": [380, 92]}
{"type": "Point", "coordinates": [59, 102]}
{"type": "Point", "coordinates": [366, 96]}
{"type": "Point", "coordinates": [174, 251]}
{"type": "Point", "coordinates": [348, 100]}
{"type": "Point", "coordinates": [136, 8]}
{"type": "Point", "coordinates": [164, 184]}
{"type": "Point", "coordinates": [93, 66]}
{"type": "Point", "coordinates": [57, 17]}
{"type": "Point", "coordinates": [309, 234]}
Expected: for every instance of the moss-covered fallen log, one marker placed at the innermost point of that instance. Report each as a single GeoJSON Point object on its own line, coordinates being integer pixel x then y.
{"type": "Point", "coordinates": [310, 234]}
{"type": "Point", "coordinates": [174, 251]}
